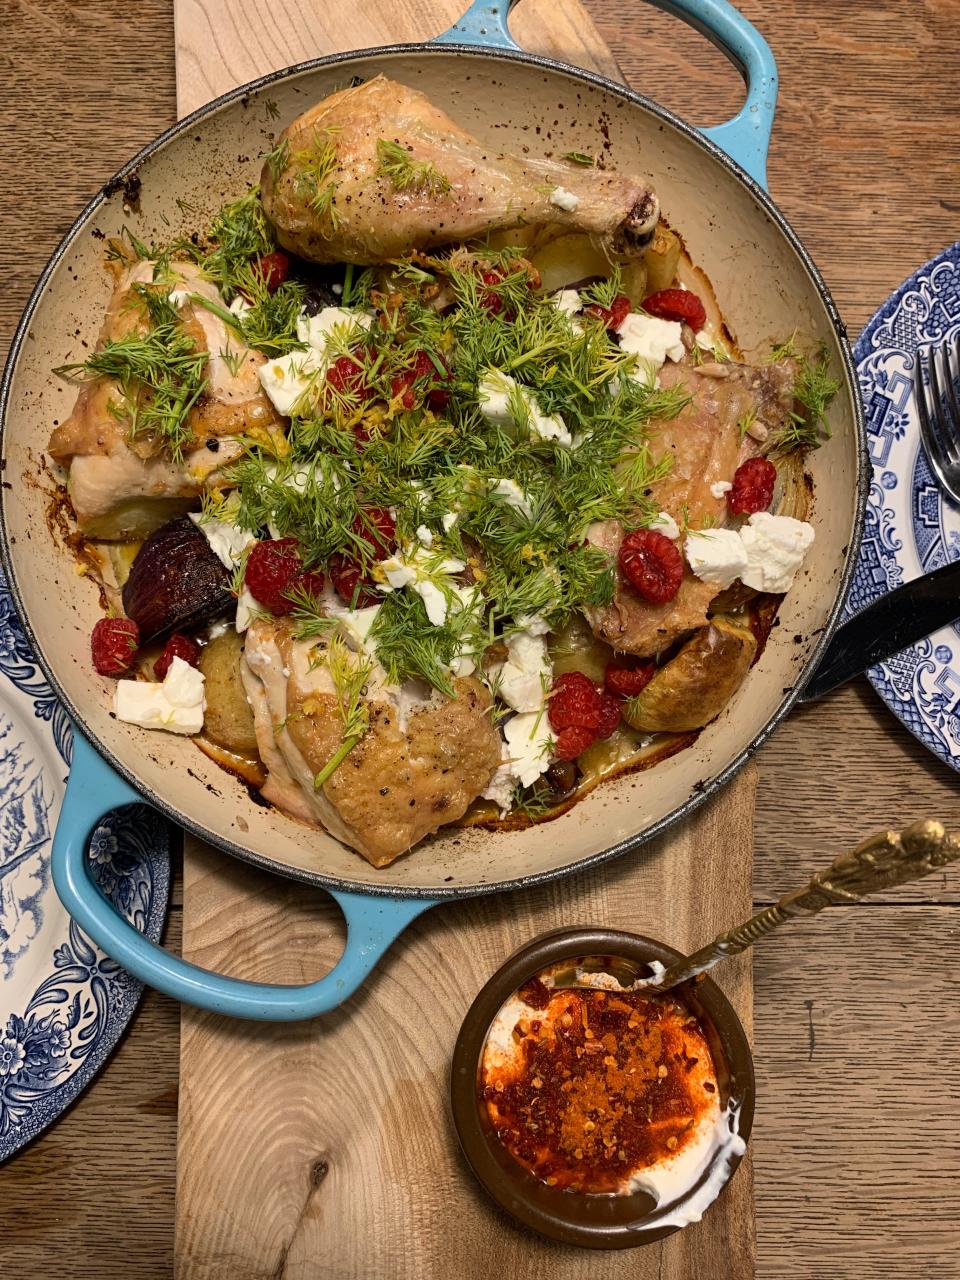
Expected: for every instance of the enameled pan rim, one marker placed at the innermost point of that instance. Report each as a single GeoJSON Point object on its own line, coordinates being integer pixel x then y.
{"type": "Point", "coordinates": [790, 697]}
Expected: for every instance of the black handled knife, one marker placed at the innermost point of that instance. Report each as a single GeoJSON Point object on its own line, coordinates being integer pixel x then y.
{"type": "Point", "coordinates": [896, 620]}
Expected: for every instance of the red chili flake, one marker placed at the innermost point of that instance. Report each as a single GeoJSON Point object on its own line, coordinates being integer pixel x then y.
{"type": "Point", "coordinates": [753, 484]}
{"type": "Point", "coordinates": [178, 646]}
{"type": "Point", "coordinates": [677, 304]}
{"type": "Point", "coordinates": [609, 715]}
{"type": "Point", "coordinates": [614, 315]}
{"type": "Point", "coordinates": [273, 268]}
{"type": "Point", "coordinates": [574, 703]}
{"type": "Point", "coordinates": [570, 743]}
{"type": "Point", "coordinates": [272, 568]}
{"type": "Point", "coordinates": [626, 682]}
{"type": "Point", "coordinates": [651, 564]}
{"type": "Point", "coordinates": [113, 645]}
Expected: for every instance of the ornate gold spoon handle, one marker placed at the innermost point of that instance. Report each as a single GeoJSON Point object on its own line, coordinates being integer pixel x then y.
{"type": "Point", "coordinates": [885, 860]}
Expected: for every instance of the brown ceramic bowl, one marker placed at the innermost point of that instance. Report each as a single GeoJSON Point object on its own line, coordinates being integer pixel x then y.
{"type": "Point", "coordinates": [594, 1221]}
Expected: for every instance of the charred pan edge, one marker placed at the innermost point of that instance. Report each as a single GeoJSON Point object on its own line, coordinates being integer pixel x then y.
{"type": "Point", "coordinates": [707, 789]}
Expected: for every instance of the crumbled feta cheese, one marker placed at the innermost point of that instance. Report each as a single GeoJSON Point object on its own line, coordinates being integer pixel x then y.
{"type": "Point", "coordinates": [564, 199]}
{"type": "Point", "coordinates": [240, 306]}
{"type": "Point", "coordinates": [513, 496]}
{"type": "Point", "coordinates": [774, 547]}
{"type": "Point", "coordinates": [522, 680]}
{"type": "Point", "coordinates": [666, 525]}
{"type": "Point", "coordinates": [500, 787]}
{"type": "Point", "coordinates": [720, 487]}
{"type": "Point", "coordinates": [528, 738]}
{"type": "Point", "coordinates": [227, 540]}
{"type": "Point", "coordinates": [247, 609]}
{"type": "Point", "coordinates": [287, 379]}
{"type": "Point", "coordinates": [355, 624]}
{"type": "Point", "coordinates": [716, 555]}
{"type": "Point", "coordinates": [449, 520]}
{"type": "Point", "coordinates": [500, 395]}
{"type": "Point", "coordinates": [425, 536]}
{"type": "Point", "coordinates": [315, 330]}
{"type": "Point", "coordinates": [428, 573]}
{"type": "Point", "coordinates": [534, 623]}
{"type": "Point", "coordinates": [176, 705]}
{"type": "Point", "coordinates": [568, 301]}
{"type": "Point", "coordinates": [178, 297]}
{"type": "Point", "coordinates": [652, 341]}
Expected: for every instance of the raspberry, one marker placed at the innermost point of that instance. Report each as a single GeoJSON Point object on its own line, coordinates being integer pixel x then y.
{"type": "Point", "coordinates": [421, 376]}
{"type": "Point", "coordinates": [753, 483]}
{"type": "Point", "coordinates": [347, 377]}
{"type": "Point", "coordinates": [113, 645]}
{"type": "Point", "coordinates": [677, 304]}
{"type": "Point", "coordinates": [272, 568]}
{"type": "Point", "coordinates": [351, 584]}
{"type": "Point", "coordinates": [614, 315]}
{"type": "Point", "coordinates": [571, 742]}
{"type": "Point", "coordinates": [490, 300]}
{"type": "Point", "coordinates": [178, 646]}
{"type": "Point", "coordinates": [609, 715]}
{"type": "Point", "coordinates": [376, 526]}
{"type": "Point", "coordinates": [309, 582]}
{"type": "Point", "coordinates": [651, 564]}
{"type": "Point", "coordinates": [273, 268]}
{"type": "Point", "coordinates": [627, 682]}
{"type": "Point", "coordinates": [574, 703]}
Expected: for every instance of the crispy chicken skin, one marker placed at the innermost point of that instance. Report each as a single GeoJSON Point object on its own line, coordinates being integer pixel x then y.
{"type": "Point", "coordinates": [374, 221]}
{"type": "Point", "coordinates": [115, 481]}
{"type": "Point", "coordinates": [705, 446]}
{"type": "Point", "coordinates": [423, 760]}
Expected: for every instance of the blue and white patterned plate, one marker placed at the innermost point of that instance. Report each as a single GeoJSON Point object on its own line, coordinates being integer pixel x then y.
{"type": "Point", "coordinates": [63, 1003]}
{"type": "Point", "coordinates": [911, 527]}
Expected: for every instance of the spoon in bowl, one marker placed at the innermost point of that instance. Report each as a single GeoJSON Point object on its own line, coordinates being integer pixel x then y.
{"type": "Point", "coordinates": [883, 861]}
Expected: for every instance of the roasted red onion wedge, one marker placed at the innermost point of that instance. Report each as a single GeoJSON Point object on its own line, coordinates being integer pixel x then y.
{"type": "Point", "coordinates": [176, 582]}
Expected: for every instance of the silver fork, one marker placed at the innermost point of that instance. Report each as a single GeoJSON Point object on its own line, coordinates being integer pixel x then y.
{"type": "Point", "coordinates": [935, 373]}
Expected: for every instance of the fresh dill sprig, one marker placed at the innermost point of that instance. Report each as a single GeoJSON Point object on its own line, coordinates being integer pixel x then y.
{"type": "Point", "coordinates": [240, 233]}
{"type": "Point", "coordinates": [395, 162]}
{"type": "Point", "coordinates": [813, 391]}
{"type": "Point", "coordinates": [232, 359]}
{"type": "Point", "coordinates": [316, 164]}
{"type": "Point", "coordinates": [745, 423]}
{"type": "Point", "coordinates": [159, 374]}
{"type": "Point", "coordinates": [278, 158]}
{"type": "Point", "coordinates": [580, 158]}
{"type": "Point", "coordinates": [349, 674]}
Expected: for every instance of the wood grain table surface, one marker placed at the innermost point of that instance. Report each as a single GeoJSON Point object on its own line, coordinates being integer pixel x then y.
{"type": "Point", "coordinates": [857, 1140]}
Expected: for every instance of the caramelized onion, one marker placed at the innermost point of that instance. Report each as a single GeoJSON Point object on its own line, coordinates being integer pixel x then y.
{"type": "Point", "coordinates": [176, 583]}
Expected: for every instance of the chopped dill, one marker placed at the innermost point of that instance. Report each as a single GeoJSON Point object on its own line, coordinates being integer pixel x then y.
{"type": "Point", "coordinates": [349, 674]}
{"type": "Point", "coordinates": [745, 423]}
{"type": "Point", "coordinates": [271, 109]}
{"type": "Point", "coordinates": [813, 391]}
{"type": "Point", "coordinates": [580, 158]}
{"type": "Point", "coordinates": [316, 164]}
{"type": "Point", "coordinates": [160, 375]}
{"type": "Point", "coordinates": [396, 163]}
{"type": "Point", "coordinates": [278, 159]}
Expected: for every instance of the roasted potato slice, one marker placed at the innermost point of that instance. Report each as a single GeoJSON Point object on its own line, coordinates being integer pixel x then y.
{"type": "Point", "coordinates": [228, 720]}
{"type": "Point", "coordinates": [693, 688]}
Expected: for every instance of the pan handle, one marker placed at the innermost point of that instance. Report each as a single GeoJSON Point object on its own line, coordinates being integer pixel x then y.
{"type": "Point", "coordinates": [746, 137]}
{"type": "Point", "coordinates": [94, 789]}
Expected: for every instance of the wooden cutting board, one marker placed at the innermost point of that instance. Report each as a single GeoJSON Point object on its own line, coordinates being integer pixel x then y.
{"type": "Point", "coordinates": [326, 1149]}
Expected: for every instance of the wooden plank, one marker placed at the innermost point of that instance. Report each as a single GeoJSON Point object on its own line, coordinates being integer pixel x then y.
{"type": "Point", "coordinates": [380, 1151]}
{"type": "Point", "coordinates": [332, 1140]}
